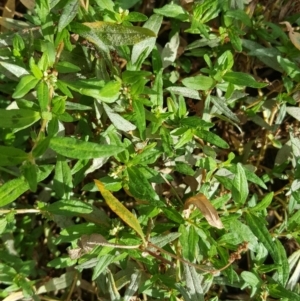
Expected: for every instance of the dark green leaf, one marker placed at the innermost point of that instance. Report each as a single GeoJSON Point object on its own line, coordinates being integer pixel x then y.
{"type": "Point", "coordinates": [140, 117]}
{"type": "Point", "coordinates": [259, 229]}
{"type": "Point", "coordinates": [139, 186]}
{"type": "Point", "coordinates": [211, 138]}
{"type": "Point", "coordinates": [30, 171]}
{"type": "Point", "coordinates": [242, 79]}
{"type": "Point", "coordinates": [62, 182]}
{"type": "Point", "coordinates": [240, 185]}
{"type": "Point", "coordinates": [69, 208]}
{"type": "Point", "coordinates": [173, 215]}
{"type": "Point", "coordinates": [10, 156]}
{"type": "Point", "coordinates": [69, 12]}
{"type": "Point", "coordinates": [12, 189]}
{"type": "Point", "coordinates": [221, 105]}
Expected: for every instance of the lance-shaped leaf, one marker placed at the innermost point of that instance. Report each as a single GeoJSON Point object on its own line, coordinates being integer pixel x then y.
{"type": "Point", "coordinates": [18, 119]}
{"type": "Point", "coordinates": [78, 149]}
{"type": "Point", "coordinates": [69, 12]}
{"type": "Point", "coordinates": [12, 189]}
{"type": "Point", "coordinates": [10, 156]}
{"type": "Point", "coordinates": [294, 36]}
{"type": "Point", "coordinates": [115, 34]}
{"type": "Point", "coordinates": [117, 207]}
{"type": "Point", "coordinates": [209, 212]}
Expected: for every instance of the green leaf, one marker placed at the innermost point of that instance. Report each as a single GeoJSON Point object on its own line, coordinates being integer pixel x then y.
{"type": "Point", "coordinates": [235, 39]}
{"type": "Point", "coordinates": [35, 70]}
{"type": "Point", "coordinates": [78, 149]}
{"type": "Point", "coordinates": [169, 53]}
{"type": "Point", "coordinates": [140, 117]}
{"type": "Point", "coordinates": [69, 12]}
{"type": "Point", "coordinates": [193, 283]}
{"type": "Point", "coordinates": [102, 263]}
{"type": "Point", "coordinates": [71, 106]}
{"type": "Point", "coordinates": [110, 92]}
{"type": "Point", "coordinates": [41, 147]}
{"type": "Point", "coordinates": [173, 11]}
{"type": "Point", "coordinates": [264, 203]}
{"type": "Point", "coordinates": [173, 215]}
{"type": "Point", "coordinates": [118, 208]}
{"type": "Point", "coordinates": [43, 95]}
{"type": "Point", "coordinates": [141, 50]}
{"type": "Point", "coordinates": [283, 270]}
{"type": "Point", "coordinates": [27, 83]}
{"type": "Point", "coordinates": [69, 208]}
{"type": "Point", "coordinates": [200, 82]}
{"type": "Point", "coordinates": [240, 185]}
{"type": "Point", "coordinates": [166, 141]}
{"type": "Point", "coordinates": [211, 138]}
{"type": "Point", "coordinates": [66, 67]}
{"type": "Point", "coordinates": [136, 17]}
{"type": "Point", "coordinates": [62, 182]}
{"type": "Point", "coordinates": [29, 171]}
{"type": "Point", "coordinates": [10, 156]}
{"type": "Point", "coordinates": [242, 79]}
{"type": "Point", "coordinates": [139, 186]}
{"type": "Point", "coordinates": [115, 34]}
{"type": "Point", "coordinates": [221, 105]}
{"type": "Point", "coordinates": [18, 119]}
{"type": "Point", "coordinates": [118, 121]}
{"type": "Point", "coordinates": [259, 229]}
{"type": "Point", "coordinates": [294, 112]}
{"type": "Point", "coordinates": [85, 87]}
{"type": "Point", "coordinates": [157, 99]}
{"type": "Point", "coordinates": [184, 168]}
{"type": "Point", "coordinates": [186, 137]}
{"type": "Point", "coordinates": [251, 176]}
{"type": "Point", "coordinates": [239, 15]}
{"type": "Point", "coordinates": [134, 284]}
{"type": "Point", "coordinates": [59, 105]}
{"type": "Point", "coordinates": [16, 70]}
{"type": "Point", "coordinates": [185, 92]}
{"type": "Point", "coordinates": [278, 291]}
{"type": "Point", "coordinates": [12, 189]}
{"type": "Point", "coordinates": [147, 156]}
{"type": "Point", "coordinates": [164, 239]}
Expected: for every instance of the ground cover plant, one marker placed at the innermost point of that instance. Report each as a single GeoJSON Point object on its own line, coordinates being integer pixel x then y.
{"type": "Point", "coordinates": [149, 150]}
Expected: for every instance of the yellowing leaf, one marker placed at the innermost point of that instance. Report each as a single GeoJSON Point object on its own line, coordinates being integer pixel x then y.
{"type": "Point", "coordinates": [206, 208]}
{"type": "Point", "coordinates": [118, 208]}
{"type": "Point", "coordinates": [294, 36]}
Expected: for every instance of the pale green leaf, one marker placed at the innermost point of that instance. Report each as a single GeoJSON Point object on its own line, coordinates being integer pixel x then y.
{"type": "Point", "coordinates": [10, 156]}
{"type": "Point", "coordinates": [118, 121]}
{"type": "Point", "coordinates": [78, 149]}
{"type": "Point", "coordinates": [115, 34]}
{"type": "Point", "coordinates": [27, 83]}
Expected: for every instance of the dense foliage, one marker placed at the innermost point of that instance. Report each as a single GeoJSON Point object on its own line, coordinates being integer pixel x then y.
{"type": "Point", "coordinates": [150, 151]}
